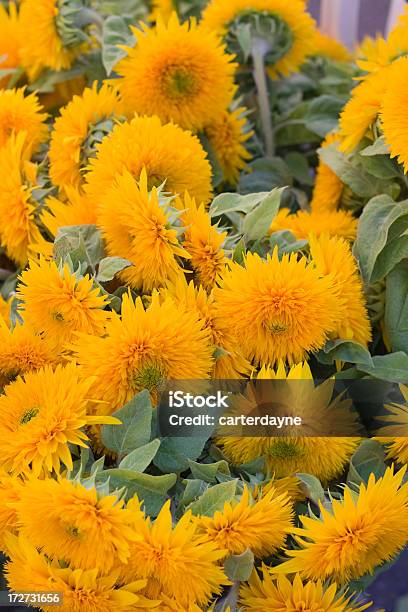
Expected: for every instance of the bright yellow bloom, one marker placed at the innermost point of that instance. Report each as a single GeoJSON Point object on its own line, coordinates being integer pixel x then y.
{"type": "Point", "coordinates": [328, 187]}
{"type": "Point", "coordinates": [168, 153]}
{"type": "Point", "coordinates": [376, 53]}
{"type": "Point", "coordinates": [165, 555]}
{"type": "Point", "coordinates": [279, 308]}
{"type": "Point", "coordinates": [5, 306]}
{"type": "Point", "coordinates": [42, 42]}
{"type": "Point", "coordinates": [362, 109]}
{"type": "Point", "coordinates": [70, 518]}
{"type": "Point", "coordinates": [282, 594]}
{"type": "Point", "coordinates": [59, 302]}
{"type": "Point", "coordinates": [298, 26]}
{"type": "Point", "coordinates": [40, 415]}
{"type": "Point", "coordinates": [137, 225]}
{"type": "Point", "coordinates": [22, 350]}
{"type": "Point", "coordinates": [19, 234]}
{"type": "Point", "coordinates": [230, 363]}
{"type": "Point", "coordinates": [327, 46]}
{"type": "Point", "coordinates": [227, 135]}
{"type": "Point", "coordinates": [303, 223]}
{"type": "Point", "coordinates": [142, 348]}
{"type": "Point", "coordinates": [324, 457]}
{"type": "Point", "coordinates": [161, 10]}
{"type": "Point", "coordinates": [178, 72]}
{"type": "Point", "coordinates": [334, 259]}
{"type": "Point", "coordinates": [394, 435]}
{"type": "Point", "coordinates": [290, 485]}
{"type": "Point", "coordinates": [21, 113]}
{"type": "Point", "coordinates": [10, 491]}
{"type": "Point", "coordinates": [394, 112]}
{"type": "Point", "coordinates": [82, 590]}
{"type": "Point", "coordinates": [204, 243]}
{"type": "Point", "coordinates": [77, 210]}
{"type": "Point", "coordinates": [10, 40]}
{"type": "Point", "coordinates": [361, 532]}
{"type": "Point", "coordinates": [261, 525]}
{"type": "Point", "coordinates": [78, 130]}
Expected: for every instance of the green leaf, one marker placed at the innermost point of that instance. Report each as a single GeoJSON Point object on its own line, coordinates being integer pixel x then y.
{"type": "Point", "coordinates": [115, 32]}
{"type": "Point", "coordinates": [311, 487]}
{"type": "Point", "coordinates": [225, 203]}
{"type": "Point", "coordinates": [239, 567]}
{"type": "Point", "coordinates": [299, 168]}
{"type": "Point", "coordinates": [344, 350]}
{"type": "Point", "coordinates": [394, 251]}
{"type": "Point", "coordinates": [82, 243]}
{"type": "Point", "coordinates": [360, 182]}
{"type": "Point", "coordinates": [151, 489]}
{"type": "Point", "coordinates": [396, 307]}
{"type": "Point", "coordinates": [208, 471]}
{"type": "Point", "coordinates": [140, 458]}
{"type": "Point", "coordinates": [194, 488]}
{"type": "Point", "coordinates": [264, 174]}
{"type": "Point", "coordinates": [109, 266]}
{"type": "Point", "coordinates": [392, 367]}
{"type": "Point", "coordinates": [214, 498]}
{"type": "Point", "coordinates": [380, 166]}
{"type": "Point", "coordinates": [402, 604]}
{"type": "Point", "coordinates": [286, 242]}
{"type": "Point", "coordinates": [175, 453]}
{"type": "Point", "coordinates": [323, 114]}
{"type": "Point", "coordinates": [379, 147]}
{"type": "Point", "coordinates": [135, 431]}
{"type": "Point", "coordinates": [375, 223]}
{"type": "Point", "coordinates": [256, 224]}
{"type": "Point", "coordinates": [368, 459]}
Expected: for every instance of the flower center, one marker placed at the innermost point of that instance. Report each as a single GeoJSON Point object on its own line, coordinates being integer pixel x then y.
{"type": "Point", "coordinates": [178, 82]}
{"type": "Point", "coordinates": [149, 376]}
{"type": "Point", "coordinates": [284, 449]}
{"type": "Point", "coordinates": [29, 415]}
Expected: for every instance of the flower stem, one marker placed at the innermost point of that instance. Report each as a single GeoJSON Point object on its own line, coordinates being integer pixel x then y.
{"type": "Point", "coordinates": [259, 48]}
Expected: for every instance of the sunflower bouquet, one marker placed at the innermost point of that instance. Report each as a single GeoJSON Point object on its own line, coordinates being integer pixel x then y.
{"type": "Point", "coordinates": [214, 195]}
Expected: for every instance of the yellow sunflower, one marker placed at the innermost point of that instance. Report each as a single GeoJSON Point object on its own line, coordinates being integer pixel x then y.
{"type": "Point", "coordinates": [203, 242]}
{"type": "Point", "coordinates": [137, 225]}
{"type": "Point", "coordinates": [333, 258]}
{"type": "Point", "coordinates": [161, 10]}
{"type": "Point", "coordinates": [394, 435]}
{"type": "Point", "coordinates": [359, 533]}
{"type": "Point", "coordinates": [59, 302]}
{"type": "Point", "coordinates": [70, 518]}
{"type": "Point", "coordinates": [76, 210]}
{"type": "Point", "coordinates": [40, 415]}
{"type": "Point", "coordinates": [78, 130]}
{"type": "Point", "coordinates": [10, 40]}
{"type": "Point", "coordinates": [165, 555]}
{"type": "Point", "coordinates": [10, 491]}
{"type": "Point", "coordinates": [22, 350]}
{"type": "Point", "coordinates": [178, 72]}
{"type": "Point", "coordinates": [142, 348]}
{"type": "Point", "coordinates": [362, 109]}
{"type": "Point", "coordinates": [168, 153]}
{"type": "Point", "coordinates": [5, 306]}
{"type": "Point", "coordinates": [19, 234]}
{"type": "Point", "coordinates": [227, 135]}
{"type": "Point", "coordinates": [327, 46]}
{"type": "Point", "coordinates": [291, 20]}
{"type": "Point", "coordinates": [229, 361]}
{"type": "Point", "coordinates": [282, 595]}
{"type": "Point", "coordinates": [279, 308]}
{"type": "Point", "coordinates": [324, 457]}
{"type": "Point", "coordinates": [47, 42]}
{"type": "Point", "coordinates": [21, 113]}
{"type": "Point", "coordinates": [328, 187]}
{"type": "Point", "coordinates": [394, 112]}
{"type": "Point", "coordinates": [376, 53]}
{"type": "Point", "coordinates": [304, 223]}
{"type": "Point", "coordinates": [81, 590]}
{"type": "Point", "coordinates": [261, 525]}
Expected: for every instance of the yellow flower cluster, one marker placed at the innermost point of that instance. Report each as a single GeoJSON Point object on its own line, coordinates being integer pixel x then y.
{"type": "Point", "coordinates": [143, 239]}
